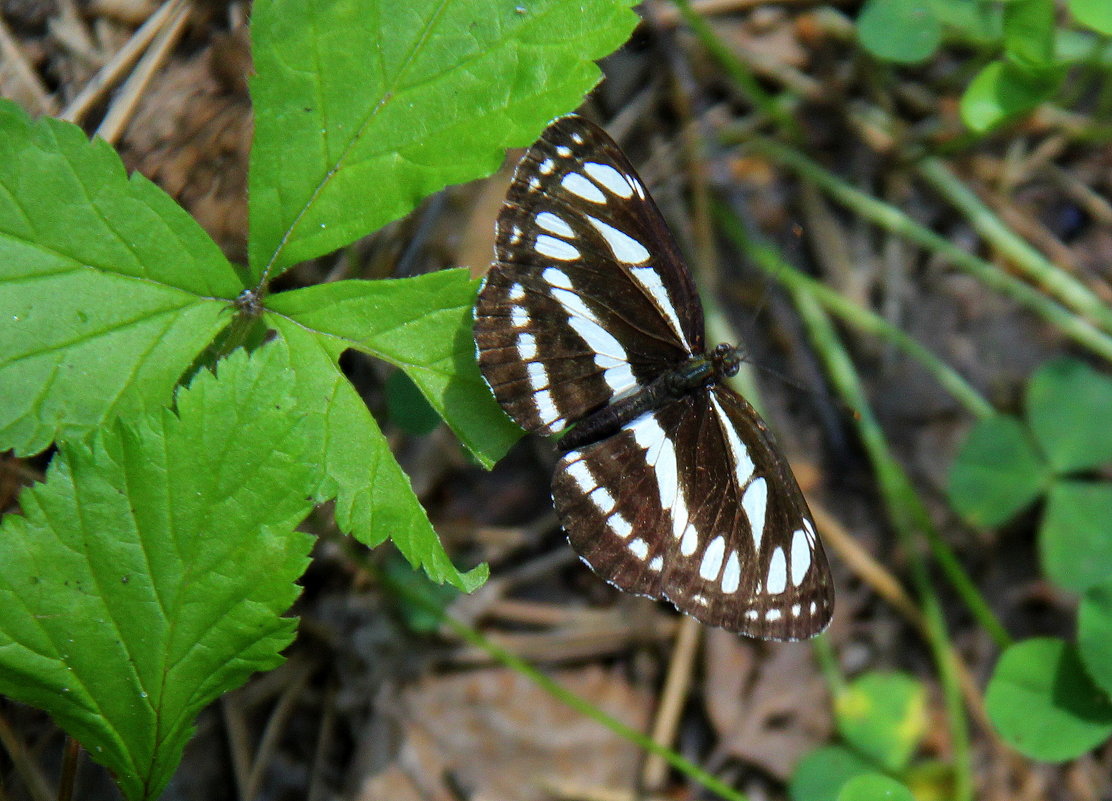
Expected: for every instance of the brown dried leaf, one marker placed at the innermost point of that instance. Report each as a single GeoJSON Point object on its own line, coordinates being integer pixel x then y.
{"type": "Point", "coordinates": [191, 135]}
{"type": "Point", "coordinates": [769, 711]}
{"type": "Point", "coordinates": [493, 734]}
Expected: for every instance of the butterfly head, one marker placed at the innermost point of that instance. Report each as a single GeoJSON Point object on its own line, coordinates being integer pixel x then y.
{"type": "Point", "coordinates": [727, 360]}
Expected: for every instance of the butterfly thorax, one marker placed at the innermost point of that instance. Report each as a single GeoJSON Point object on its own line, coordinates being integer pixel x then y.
{"type": "Point", "coordinates": [691, 374]}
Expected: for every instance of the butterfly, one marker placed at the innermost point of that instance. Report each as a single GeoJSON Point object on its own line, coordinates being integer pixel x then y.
{"type": "Point", "coordinates": [669, 485]}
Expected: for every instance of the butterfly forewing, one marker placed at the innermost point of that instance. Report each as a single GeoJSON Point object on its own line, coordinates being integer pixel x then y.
{"type": "Point", "coordinates": [587, 300]}
{"type": "Point", "coordinates": [586, 314]}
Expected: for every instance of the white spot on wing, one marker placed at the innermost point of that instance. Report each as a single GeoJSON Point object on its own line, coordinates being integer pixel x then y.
{"type": "Point", "coordinates": [649, 278]}
{"type": "Point", "coordinates": [801, 557]}
{"type": "Point", "coordinates": [690, 540]}
{"type": "Point", "coordinates": [620, 525]}
{"type": "Point", "coordinates": [546, 408]}
{"type": "Point", "coordinates": [712, 558]}
{"type": "Point", "coordinates": [555, 224]}
{"type": "Point", "coordinates": [538, 376]}
{"type": "Point", "coordinates": [563, 151]}
{"type": "Point", "coordinates": [777, 572]}
{"type": "Point", "coordinates": [609, 353]}
{"type": "Point", "coordinates": [656, 564]}
{"type": "Point", "coordinates": [620, 380]}
{"type": "Point", "coordinates": [755, 504]}
{"type": "Point", "coordinates": [743, 463]}
{"type": "Point", "coordinates": [648, 434]}
{"type": "Point", "coordinates": [639, 548]}
{"type": "Point", "coordinates": [517, 292]}
{"type": "Point", "coordinates": [583, 188]}
{"type": "Point", "coordinates": [625, 248]}
{"type": "Point", "coordinates": [610, 178]}
{"type": "Point", "coordinates": [679, 512]}
{"type": "Point", "coordinates": [519, 317]}
{"type": "Point", "coordinates": [607, 349]}
{"type": "Point", "coordinates": [527, 347]}
{"type": "Point", "coordinates": [731, 579]}
{"type": "Point", "coordinates": [546, 167]}
{"type": "Point", "coordinates": [557, 278]}
{"type": "Point", "coordinates": [556, 248]}
{"type": "Point", "coordinates": [772, 615]}
{"type": "Point", "coordinates": [603, 500]}
{"type": "Point", "coordinates": [660, 454]}
{"type": "Point", "coordinates": [583, 320]}
{"type": "Point", "coordinates": [581, 475]}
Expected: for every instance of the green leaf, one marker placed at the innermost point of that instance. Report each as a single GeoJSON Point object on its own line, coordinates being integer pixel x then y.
{"type": "Point", "coordinates": [1002, 90]}
{"type": "Point", "coordinates": [363, 107]}
{"type": "Point", "coordinates": [883, 715]}
{"type": "Point", "coordinates": [904, 31]}
{"type": "Point", "coordinates": [930, 779]}
{"type": "Point", "coordinates": [1043, 703]}
{"type": "Point", "coordinates": [146, 576]}
{"type": "Point", "coordinates": [996, 473]}
{"type": "Point", "coordinates": [423, 326]}
{"type": "Point", "coordinates": [1069, 405]}
{"type": "Point", "coordinates": [979, 23]}
{"type": "Point", "coordinates": [1074, 541]}
{"type": "Point", "coordinates": [374, 499]}
{"type": "Point", "coordinates": [1094, 633]}
{"type": "Point", "coordinates": [407, 407]}
{"type": "Point", "coordinates": [108, 289]}
{"type": "Point", "coordinates": [406, 583]}
{"type": "Point", "coordinates": [1029, 32]}
{"type": "Point", "coordinates": [1095, 14]}
{"type": "Point", "coordinates": [820, 775]}
{"type": "Point", "coordinates": [874, 787]}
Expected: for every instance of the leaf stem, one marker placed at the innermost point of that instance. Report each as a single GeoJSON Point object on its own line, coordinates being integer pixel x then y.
{"type": "Point", "coordinates": [1029, 261]}
{"type": "Point", "coordinates": [828, 664]}
{"type": "Point", "coordinates": [863, 319]}
{"type": "Point", "coordinates": [908, 517]}
{"type": "Point", "coordinates": [68, 779]}
{"type": "Point", "coordinates": [737, 70]}
{"type": "Point", "coordinates": [892, 219]}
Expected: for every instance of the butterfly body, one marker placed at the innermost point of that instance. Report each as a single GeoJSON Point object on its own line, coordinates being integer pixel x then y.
{"type": "Point", "coordinates": [692, 374]}
{"type": "Point", "coordinates": [669, 484]}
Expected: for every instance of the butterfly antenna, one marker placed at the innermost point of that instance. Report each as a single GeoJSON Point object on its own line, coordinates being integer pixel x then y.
{"type": "Point", "coordinates": [843, 408]}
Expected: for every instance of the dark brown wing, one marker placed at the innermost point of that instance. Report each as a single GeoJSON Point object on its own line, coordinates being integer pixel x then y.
{"type": "Point", "coordinates": [694, 503]}
{"type": "Point", "coordinates": [588, 299]}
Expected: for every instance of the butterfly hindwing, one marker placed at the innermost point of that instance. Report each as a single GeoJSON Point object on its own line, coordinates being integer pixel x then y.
{"type": "Point", "coordinates": [783, 588]}
{"type": "Point", "coordinates": [694, 528]}
{"type": "Point", "coordinates": [616, 499]}
{"type": "Point", "coordinates": [587, 300]}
